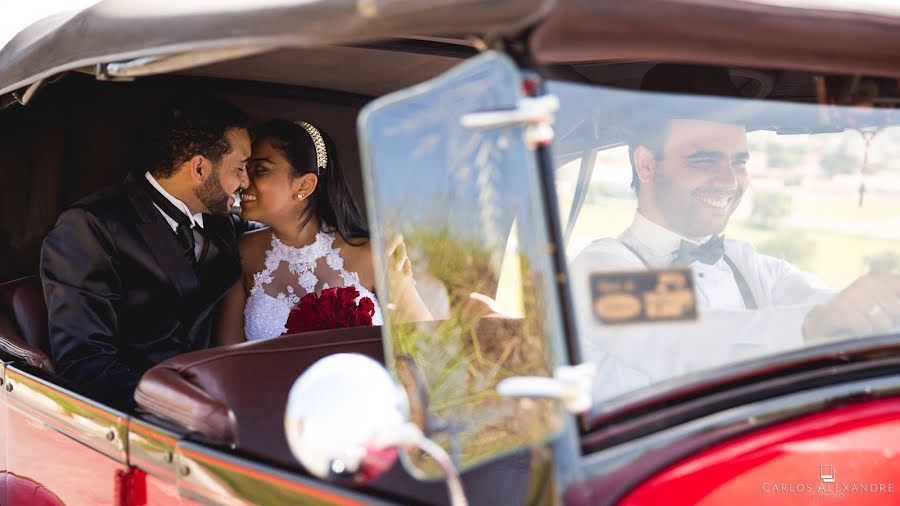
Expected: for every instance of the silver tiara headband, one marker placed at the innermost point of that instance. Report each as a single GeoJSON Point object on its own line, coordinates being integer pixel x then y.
{"type": "Point", "coordinates": [319, 142]}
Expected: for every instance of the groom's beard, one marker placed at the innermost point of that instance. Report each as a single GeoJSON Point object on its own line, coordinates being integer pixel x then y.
{"type": "Point", "coordinates": [211, 194]}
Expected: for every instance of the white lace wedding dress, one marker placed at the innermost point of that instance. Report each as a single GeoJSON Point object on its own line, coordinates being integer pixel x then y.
{"type": "Point", "coordinates": [288, 275]}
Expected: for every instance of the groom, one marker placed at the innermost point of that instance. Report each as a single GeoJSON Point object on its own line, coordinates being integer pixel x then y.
{"type": "Point", "coordinates": [134, 275]}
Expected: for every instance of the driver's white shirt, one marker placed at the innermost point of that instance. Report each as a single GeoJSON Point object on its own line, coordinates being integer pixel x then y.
{"type": "Point", "coordinates": [629, 357]}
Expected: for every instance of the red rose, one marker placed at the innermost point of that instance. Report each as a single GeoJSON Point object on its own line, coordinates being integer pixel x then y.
{"type": "Point", "coordinates": [327, 300]}
{"type": "Point", "coordinates": [304, 315]}
{"type": "Point", "coordinates": [333, 308]}
{"type": "Point", "coordinates": [347, 294]}
{"type": "Point", "coordinates": [365, 312]}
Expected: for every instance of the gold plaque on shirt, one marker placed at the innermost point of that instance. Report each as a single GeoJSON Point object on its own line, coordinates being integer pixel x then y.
{"type": "Point", "coordinates": [646, 296]}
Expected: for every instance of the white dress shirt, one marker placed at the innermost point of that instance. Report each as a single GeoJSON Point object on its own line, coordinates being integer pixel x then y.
{"type": "Point", "coordinates": [196, 219]}
{"type": "Point", "coordinates": [632, 356]}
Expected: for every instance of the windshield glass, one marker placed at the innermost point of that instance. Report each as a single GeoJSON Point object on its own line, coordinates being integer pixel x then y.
{"type": "Point", "coordinates": [466, 202]}
{"type": "Point", "coordinates": [703, 231]}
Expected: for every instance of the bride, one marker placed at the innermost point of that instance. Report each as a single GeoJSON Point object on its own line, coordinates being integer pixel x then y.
{"type": "Point", "coordinates": [316, 237]}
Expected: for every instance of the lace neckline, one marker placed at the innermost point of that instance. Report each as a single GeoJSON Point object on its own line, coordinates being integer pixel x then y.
{"type": "Point", "coordinates": [302, 260]}
{"type": "Point", "coordinates": [322, 239]}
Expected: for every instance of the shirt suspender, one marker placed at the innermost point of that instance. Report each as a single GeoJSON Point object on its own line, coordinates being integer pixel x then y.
{"type": "Point", "coordinates": [638, 255]}
{"type": "Point", "coordinates": [743, 287]}
{"type": "Point", "coordinates": [746, 294]}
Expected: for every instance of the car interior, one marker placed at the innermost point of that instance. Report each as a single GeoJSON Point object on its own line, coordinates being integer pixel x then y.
{"type": "Point", "coordinates": [75, 136]}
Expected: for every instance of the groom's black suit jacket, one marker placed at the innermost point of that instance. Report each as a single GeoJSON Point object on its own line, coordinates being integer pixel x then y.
{"type": "Point", "coordinates": [122, 296]}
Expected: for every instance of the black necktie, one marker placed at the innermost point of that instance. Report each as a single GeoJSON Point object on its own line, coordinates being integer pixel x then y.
{"type": "Point", "coordinates": [708, 253]}
{"type": "Point", "coordinates": [183, 232]}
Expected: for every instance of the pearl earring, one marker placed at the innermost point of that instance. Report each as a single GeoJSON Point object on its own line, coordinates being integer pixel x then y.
{"type": "Point", "coordinates": [299, 196]}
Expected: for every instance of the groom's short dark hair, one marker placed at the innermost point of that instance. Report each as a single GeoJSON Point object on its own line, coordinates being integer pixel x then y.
{"type": "Point", "coordinates": [190, 125]}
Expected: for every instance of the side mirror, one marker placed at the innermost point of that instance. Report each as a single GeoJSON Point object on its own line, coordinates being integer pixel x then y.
{"type": "Point", "coordinates": [338, 410]}
{"type": "Point", "coordinates": [347, 420]}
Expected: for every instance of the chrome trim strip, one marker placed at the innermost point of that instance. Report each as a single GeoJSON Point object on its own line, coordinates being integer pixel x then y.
{"type": "Point", "coordinates": [151, 65]}
{"type": "Point", "coordinates": [84, 420]}
{"type": "Point", "coordinates": [215, 477]}
{"type": "Point", "coordinates": [153, 449]}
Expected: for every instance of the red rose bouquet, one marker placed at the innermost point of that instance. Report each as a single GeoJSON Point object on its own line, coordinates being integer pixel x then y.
{"type": "Point", "coordinates": [335, 308]}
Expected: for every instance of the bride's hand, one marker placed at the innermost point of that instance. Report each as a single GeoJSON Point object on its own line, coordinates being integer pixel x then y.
{"type": "Point", "coordinates": [399, 266]}
{"type": "Point", "coordinates": [404, 297]}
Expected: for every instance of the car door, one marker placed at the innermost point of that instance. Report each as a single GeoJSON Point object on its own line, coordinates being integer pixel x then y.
{"type": "Point", "coordinates": [58, 446]}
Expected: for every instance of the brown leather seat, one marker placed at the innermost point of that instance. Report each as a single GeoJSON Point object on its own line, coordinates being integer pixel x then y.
{"type": "Point", "coordinates": [24, 300]}
{"type": "Point", "coordinates": [23, 322]}
{"type": "Point", "coordinates": [237, 394]}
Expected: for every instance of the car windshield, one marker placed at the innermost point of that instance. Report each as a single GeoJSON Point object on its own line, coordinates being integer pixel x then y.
{"type": "Point", "coordinates": [466, 201]}
{"type": "Point", "coordinates": [703, 231]}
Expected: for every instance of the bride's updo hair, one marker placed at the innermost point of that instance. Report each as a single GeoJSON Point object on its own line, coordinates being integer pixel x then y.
{"type": "Point", "coordinates": [332, 201]}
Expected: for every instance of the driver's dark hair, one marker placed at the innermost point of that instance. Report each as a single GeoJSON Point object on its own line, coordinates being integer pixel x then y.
{"type": "Point", "coordinates": [332, 201]}
{"type": "Point", "coordinates": [651, 127]}
{"type": "Point", "coordinates": [188, 125]}
{"type": "Point", "coordinates": [651, 135]}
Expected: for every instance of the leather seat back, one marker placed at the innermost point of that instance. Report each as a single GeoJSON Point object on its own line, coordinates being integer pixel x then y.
{"type": "Point", "coordinates": [237, 394]}
{"type": "Point", "coordinates": [23, 323]}
{"type": "Point", "coordinates": [23, 300]}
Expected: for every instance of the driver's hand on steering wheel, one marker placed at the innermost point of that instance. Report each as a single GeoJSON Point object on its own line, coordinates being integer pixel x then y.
{"type": "Point", "coordinates": [869, 306]}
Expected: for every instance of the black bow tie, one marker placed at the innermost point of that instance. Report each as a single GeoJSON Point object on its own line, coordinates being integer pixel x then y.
{"type": "Point", "coordinates": [709, 252]}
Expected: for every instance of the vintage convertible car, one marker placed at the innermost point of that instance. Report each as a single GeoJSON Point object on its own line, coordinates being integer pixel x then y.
{"type": "Point", "coordinates": [493, 136]}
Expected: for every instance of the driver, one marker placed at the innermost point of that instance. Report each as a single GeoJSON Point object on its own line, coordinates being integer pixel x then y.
{"type": "Point", "coordinates": [690, 173]}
